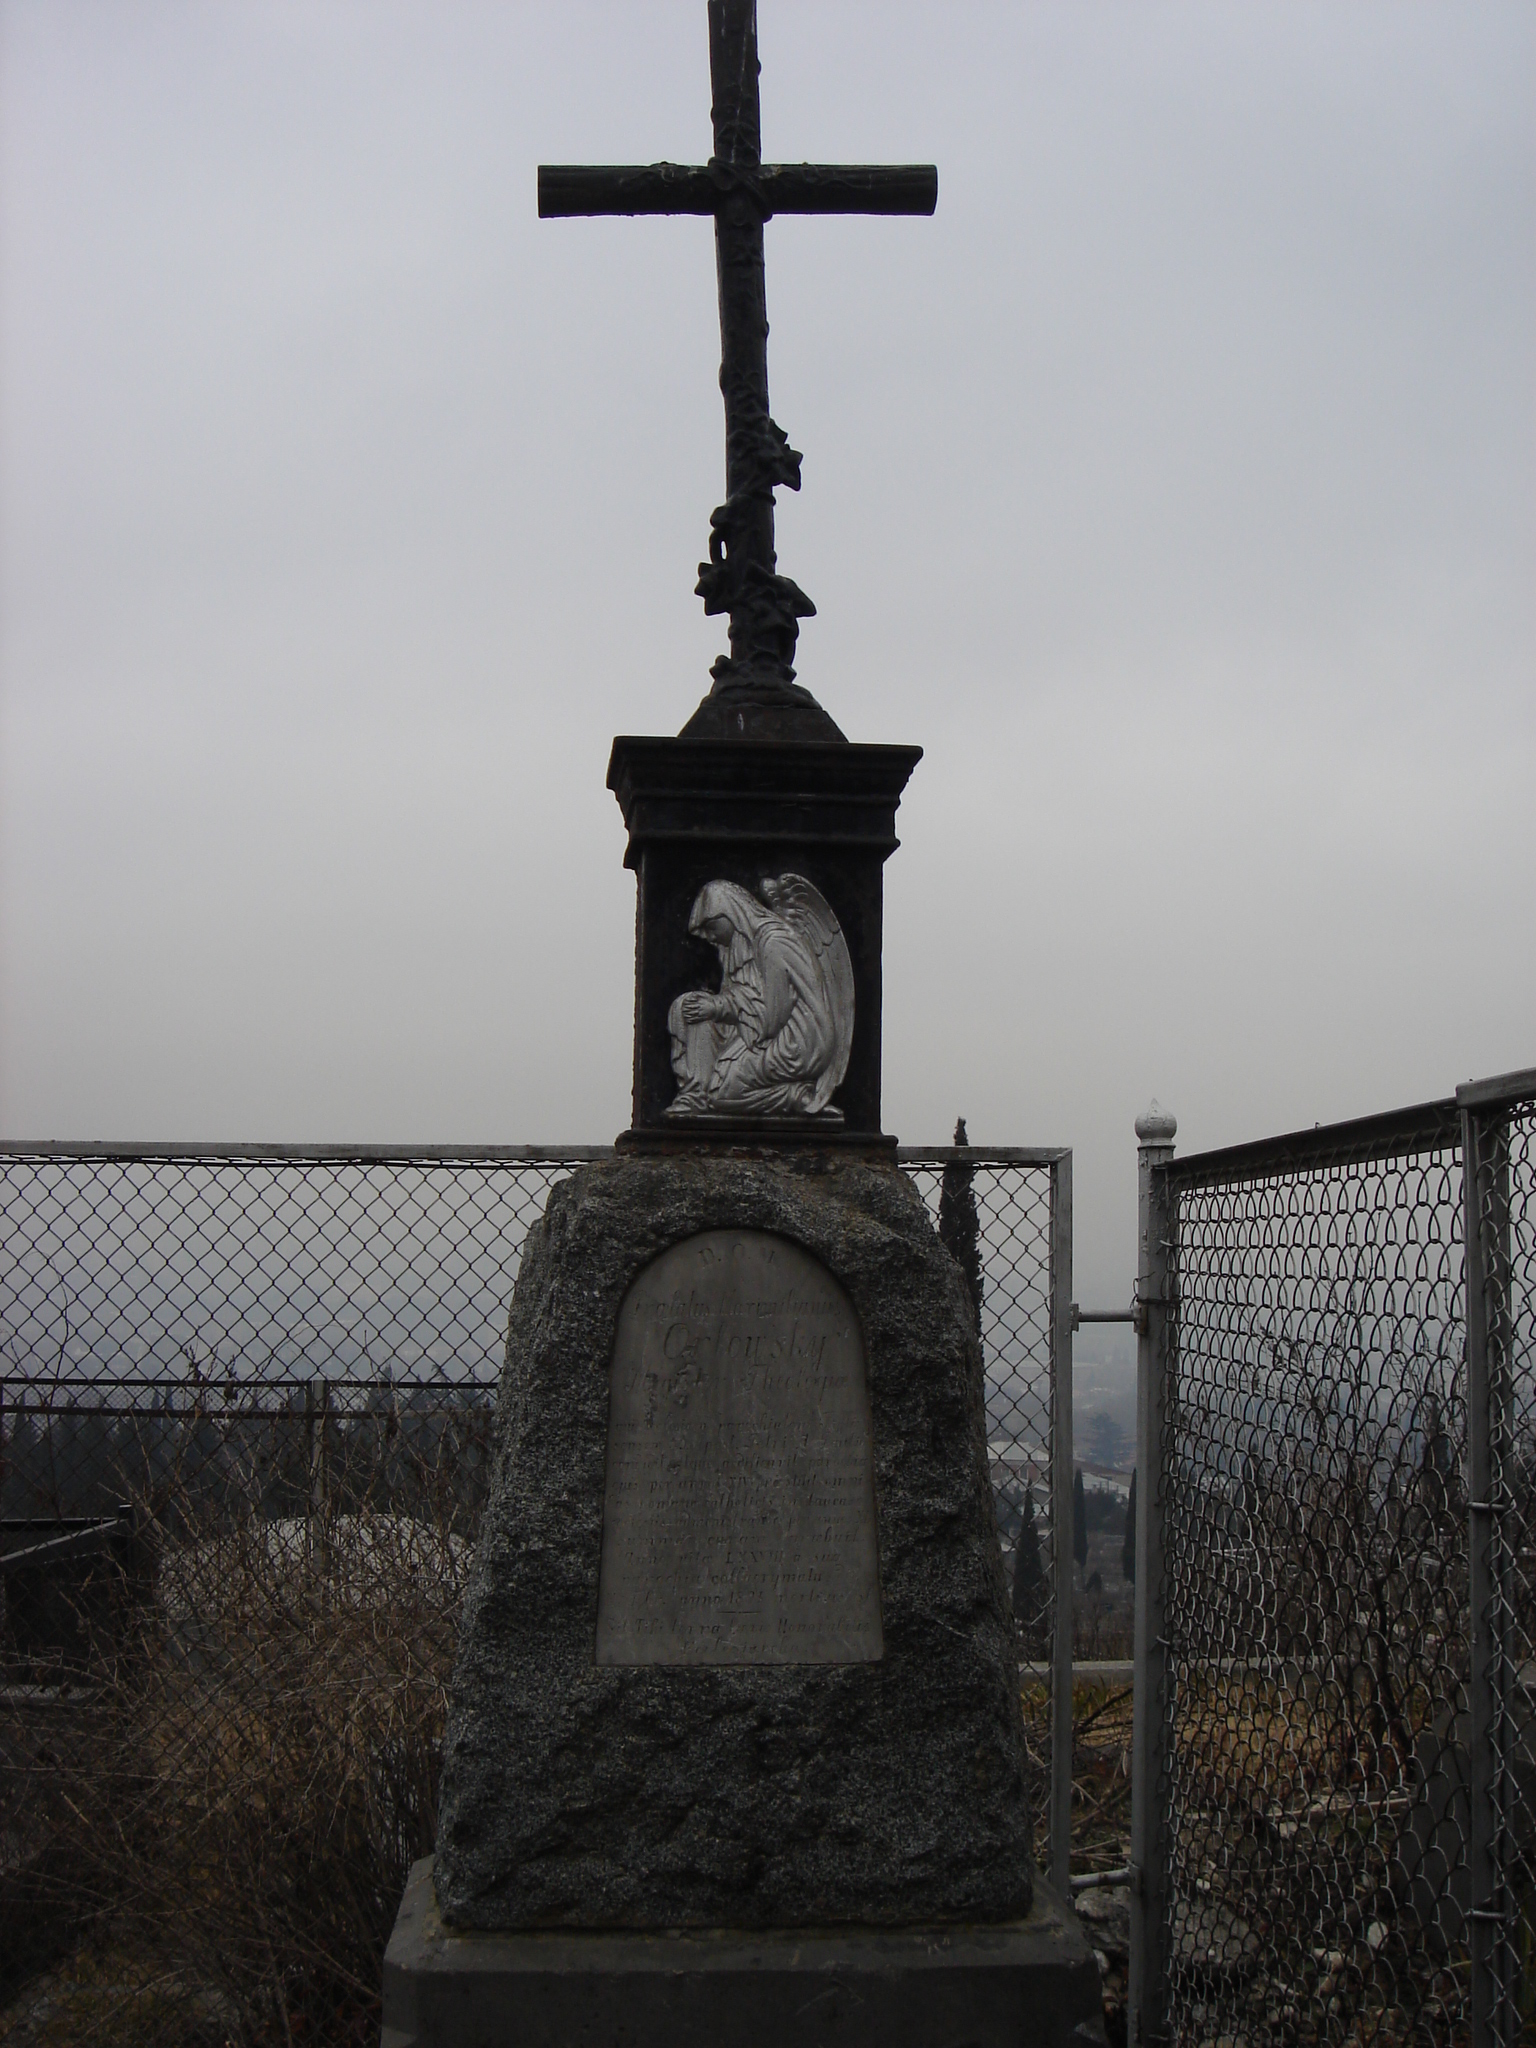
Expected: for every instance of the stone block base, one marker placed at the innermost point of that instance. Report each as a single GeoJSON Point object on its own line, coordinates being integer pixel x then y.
{"type": "Point", "coordinates": [1028, 1983]}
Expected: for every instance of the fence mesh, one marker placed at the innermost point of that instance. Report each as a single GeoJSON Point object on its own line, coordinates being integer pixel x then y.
{"type": "Point", "coordinates": [1505, 1211]}
{"type": "Point", "coordinates": [244, 1443]}
{"type": "Point", "coordinates": [996, 1218]}
{"type": "Point", "coordinates": [246, 1436]}
{"type": "Point", "coordinates": [1315, 1801]}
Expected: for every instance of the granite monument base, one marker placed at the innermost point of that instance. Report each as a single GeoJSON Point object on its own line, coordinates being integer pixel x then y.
{"type": "Point", "coordinates": [1027, 1983]}
{"type": "Point", "coordinates": [734, 1751]}
{"type": "Point", "coordinates": [736, 1648]}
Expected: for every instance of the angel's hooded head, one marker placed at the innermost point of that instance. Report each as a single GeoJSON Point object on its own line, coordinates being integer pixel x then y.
{"type": "Point", "coordinates": [730, 918]}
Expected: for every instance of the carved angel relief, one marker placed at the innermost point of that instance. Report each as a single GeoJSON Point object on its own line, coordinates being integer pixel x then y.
{"type": "Point", "coordinates": [775, 1040]}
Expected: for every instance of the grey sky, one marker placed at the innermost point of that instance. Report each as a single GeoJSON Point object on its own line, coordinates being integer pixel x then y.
{"type": "Point", "coordinates": [1173, 486]}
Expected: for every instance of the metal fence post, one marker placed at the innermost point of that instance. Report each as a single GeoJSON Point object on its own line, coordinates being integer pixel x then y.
{"type": "Point", "coordinates": [1145, 1991]}
{"type": "Point", "coordinates": [1061, 1523]}
{"type": "Point", "coordinates": [317, 1416]}
{"type": "Point", "coordinates": [1485, 1187]}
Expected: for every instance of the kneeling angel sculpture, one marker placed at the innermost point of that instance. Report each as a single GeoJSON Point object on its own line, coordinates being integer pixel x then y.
{"type": "Point", "coordinates": [775, 1040]}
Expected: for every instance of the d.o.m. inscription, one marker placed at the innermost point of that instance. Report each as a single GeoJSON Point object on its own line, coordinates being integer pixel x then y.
{"type": "Point", "coordinates": [739, 1511]}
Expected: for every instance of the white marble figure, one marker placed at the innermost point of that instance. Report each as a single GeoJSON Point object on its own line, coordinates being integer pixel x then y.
{"type": "Point", "coordinates": [775, 1040]}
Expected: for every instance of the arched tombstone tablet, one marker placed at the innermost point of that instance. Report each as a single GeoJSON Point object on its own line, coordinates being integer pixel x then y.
{"type": "Point", "coordinates": [739, 1501]}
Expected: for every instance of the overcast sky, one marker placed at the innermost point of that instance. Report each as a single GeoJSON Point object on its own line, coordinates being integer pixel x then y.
{"type": "Point", "coordinates": [1173, 487]}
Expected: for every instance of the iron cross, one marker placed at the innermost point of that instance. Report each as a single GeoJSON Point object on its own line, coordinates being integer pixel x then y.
{"type": "Point", "coordinates": [741, 192]}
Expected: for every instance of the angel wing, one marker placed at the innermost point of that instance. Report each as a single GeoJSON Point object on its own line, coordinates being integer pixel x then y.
{"type": "Point", "coordinates": [801, 904]}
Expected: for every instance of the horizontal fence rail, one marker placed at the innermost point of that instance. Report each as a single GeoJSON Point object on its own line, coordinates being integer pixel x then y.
{"type": "Point", "coordinates": [246, 1422]}
{"type": "Point", "coordinates": [1337, 1747]}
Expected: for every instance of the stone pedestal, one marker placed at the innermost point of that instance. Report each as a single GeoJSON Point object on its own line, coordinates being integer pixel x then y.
{"type": "Point", "coordinates": [1027, 1983]}
{"type": "Point", "coordinates": [734, 1747]}
{"type": "Point", "coordinates": [753, 1787]}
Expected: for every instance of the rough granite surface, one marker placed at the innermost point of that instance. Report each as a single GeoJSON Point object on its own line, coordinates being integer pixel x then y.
{"type": "Point", "coordinates": [716, 1795]}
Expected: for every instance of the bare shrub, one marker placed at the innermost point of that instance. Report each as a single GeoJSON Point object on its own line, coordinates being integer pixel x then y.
{"type": "Point", "coordinates": [233, 1818]}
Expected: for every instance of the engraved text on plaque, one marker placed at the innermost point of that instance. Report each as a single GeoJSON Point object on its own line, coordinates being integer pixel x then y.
{"type": "Point", "coordinates": [739, 1513]}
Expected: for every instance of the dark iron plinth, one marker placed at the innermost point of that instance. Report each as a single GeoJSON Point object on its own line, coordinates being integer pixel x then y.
{"type": "Point", "coordinates": [1029, 1983]}
{"type": "Point", "coordinates": [703, 810]}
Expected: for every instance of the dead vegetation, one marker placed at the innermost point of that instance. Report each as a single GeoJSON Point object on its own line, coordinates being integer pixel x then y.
{"type": "Point", "coordinates": [1101, 1814]}
{"type": "Point", "coordinates": [215, 1827]}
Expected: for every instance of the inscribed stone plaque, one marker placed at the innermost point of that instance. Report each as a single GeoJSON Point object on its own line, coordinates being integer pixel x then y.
{"type": "Point", "coordinates": [739, 1513]}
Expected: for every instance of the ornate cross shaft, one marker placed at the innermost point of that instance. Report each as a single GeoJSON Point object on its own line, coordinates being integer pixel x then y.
{"type": "Point", "coordinates": [741, 192]}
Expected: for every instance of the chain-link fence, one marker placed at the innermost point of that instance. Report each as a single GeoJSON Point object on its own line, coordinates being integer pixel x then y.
{"type": "Point", "coordinates": [246, 1434]}
{"type": "Point", "coordinates": [1314, 1740]}
{"type": "Point", "coordinates": [244, 1442]}
{"type": "Point", "coordinates": [1006, 1216]}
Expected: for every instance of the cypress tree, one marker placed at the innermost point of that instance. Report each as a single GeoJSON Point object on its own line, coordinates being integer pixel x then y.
{"type": "Point", "coordinates": [960, 1225]}
{"type": "Point", "coordinates": [1028, 1573]}
{"type": "Point", "coordinates": [1079, 1518]}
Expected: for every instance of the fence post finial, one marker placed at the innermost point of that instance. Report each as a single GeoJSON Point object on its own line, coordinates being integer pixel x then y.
{"type": "Point", "coordinates": [1156, 1125]}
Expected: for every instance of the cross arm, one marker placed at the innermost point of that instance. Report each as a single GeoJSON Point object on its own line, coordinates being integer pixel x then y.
{"type": "Point", "coordinates": [566, 189]}
{"type": "Point", "coordinates": [850, 188]}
